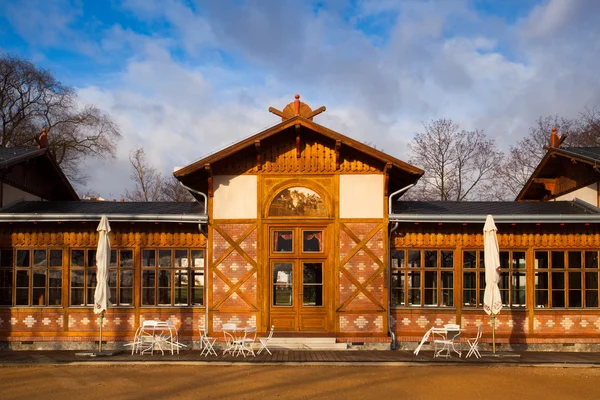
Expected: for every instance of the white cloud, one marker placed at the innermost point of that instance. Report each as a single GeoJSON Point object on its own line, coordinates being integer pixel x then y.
{"type": "Point", "coordinates": [206, 78]}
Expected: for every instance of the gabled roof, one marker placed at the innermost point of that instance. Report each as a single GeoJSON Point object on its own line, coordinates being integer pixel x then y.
{"type": "Point", "coordinates": [40, 167]}
{"type": "Point", "coordinates": [503, 211]}
{"type": "Point", "coordinates": [553, 164]}
{"type": "Point", "coordinates": [302, 121]}
{"type": "Point", "coordinates": [23, 211]}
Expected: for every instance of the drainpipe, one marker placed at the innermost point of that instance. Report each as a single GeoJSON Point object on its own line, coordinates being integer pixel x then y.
{"type": "Point", "coordinates": [389, 275]}
{"type": "Point", "coordinates": [198, 192]}
{"type": "Point", "coordinates": [200, 228]}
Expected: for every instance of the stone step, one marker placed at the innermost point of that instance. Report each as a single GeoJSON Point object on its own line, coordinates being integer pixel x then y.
{"type": "Point", "coordinates": [313, 343]}
{"type": "Point", "coordinates": [276, 339]}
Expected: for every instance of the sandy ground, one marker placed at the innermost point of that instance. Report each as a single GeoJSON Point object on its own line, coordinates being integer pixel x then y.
{"type": "Point", "coordinates": [297, 382]}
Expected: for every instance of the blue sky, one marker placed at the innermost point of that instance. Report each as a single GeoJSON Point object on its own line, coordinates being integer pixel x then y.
{"type": "Point", "coordinates": [184, 78]}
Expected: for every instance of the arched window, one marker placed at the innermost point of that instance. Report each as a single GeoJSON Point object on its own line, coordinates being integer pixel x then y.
{"type": "Point", "coordinates": [298, 202]}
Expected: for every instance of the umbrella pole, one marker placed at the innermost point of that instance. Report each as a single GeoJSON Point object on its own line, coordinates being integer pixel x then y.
{"type": "Point", "coordinates": [100, 343]}
{"type": "Point", "coordinates": [493, 333]}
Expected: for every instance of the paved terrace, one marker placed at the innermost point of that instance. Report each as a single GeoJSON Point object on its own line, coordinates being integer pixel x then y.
{"type": "Point", "coordinates": [282, 356]}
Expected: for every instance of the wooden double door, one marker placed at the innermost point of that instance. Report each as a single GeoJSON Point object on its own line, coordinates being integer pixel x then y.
{"type": "Point", "coordinates": [298, 278]}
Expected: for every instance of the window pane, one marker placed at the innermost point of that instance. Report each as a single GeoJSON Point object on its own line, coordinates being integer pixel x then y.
{"type": "Point", "coordinates": [430, 291]}
{"type": "Point", "coordinates": [77, 297]}
{"type": "Point", "coordinates": [504, 259]}
{"type": "Point", "coordinates": [148, 258]}
{"type": "Point", "coordinates": [54, 296]}
{"type": "Point", "coordinates": [198, 258]}
{"type": "Point", "coordinates": [519, 285]}
{"type": "Point", "coordinates": [164, 258]}
{"type": "Point", "coordinates": [398, 289]}
{"type": "Point", "coordinates": [312, 295]}
{"type": "Point", "coordinates": [414, 259]}
{"type": "Point", "coordinates": [519, 260]}
{"type": "Point", "coordinates": [198, 287]}
{"type": "Point", "coordinates": [431, 259]}
{"type": "Point", "coordinates": [541, 259]}
{"type": "Point", "coordinates": [574, 259]}
{"type": "Point", "coordinates": [283, 241]}
{"type": "Point", "coordinates": [469, 259]}
{"type": "Point", "coordinates": [282, 295]}
{"type": "Point", "coordinates": [312, 241]}
{"type": "Point", "coordinates": [447, 289]}
{"type": "Point", "coordinates": [558, 289]}
{"type": "Point", "coordinates": [282, 273]}
{"type": "Point", "coordinates": [113, 258]}
{"type": "Point", "coordinates": [39, 278]}
{"type": "Point", "coordinates": [91, 258]}
{"type": "Point", "coordinates": [39, 296]}
{"type": "Point", "coordinates": [558, 259]}
{"type": "Point", "coordinates": [282, 284]}
{"type": "Point", "coordinates": [591, 259]}
{"type": "Point", "coordinates": [22, 298]}
{"type": "Point", "coordinates": [56, 258]}
{"type": "Point", "coordinates": [77, 258]}
{"type": "Point", "coordinates": [541, 289]}
{"type": "Point", "coordinates": [575, 294]}
{"type": "Point", "coordinates": [22, 258]}
{"type": "Point", "coordinates": [398, 259]}
{"type": "Point", "coordinates": [312, 273]}
{"type": "Point", "coordinates": [126, 258]}
{"type": "Point", "coordinates": [39, 258]}
{"type": "Point", "coordinates": [181, 259]}
{"type": "Point", "coordinates": [22, 278]}
{"type": "Point", "coordinates": [447, 259]}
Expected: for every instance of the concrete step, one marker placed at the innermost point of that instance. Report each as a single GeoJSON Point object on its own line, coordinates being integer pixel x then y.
{"type": "Point", "coordinates": [313, 343]}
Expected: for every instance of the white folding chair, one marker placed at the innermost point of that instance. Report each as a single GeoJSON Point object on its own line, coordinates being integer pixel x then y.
{"type": "Point", "coordinates": [207, 343]}
{"type": "Point", "coordinates": [265, 340]}
{"type": "Point", "coordinates": [228, 337]}
{"type": "Point", "coordinates": [248, 341]}
{"type": "Point", "coordinates": [474, 342]}
{"type": "Point", "coordinates": [142, 342]}
{"type": "Point", "coordinates": [173, 341]}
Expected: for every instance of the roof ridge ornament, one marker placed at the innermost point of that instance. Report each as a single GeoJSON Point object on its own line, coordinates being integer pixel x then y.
{"type": "Point", "coordinates": [297, 108]}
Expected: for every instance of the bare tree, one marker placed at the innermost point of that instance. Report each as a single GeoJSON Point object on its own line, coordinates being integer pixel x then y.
{"type": "Point", "coordinates": [458, 164]}
{"type": "Point", "coordinates": [173, 191]}
{"type": "Point", "coordinates": [524, 157]}
{"type": "Point", "coordinates": [150, 185]}
{"type": "Point", "coordinates": [31, 99]}
{"type": "Point", "coordinates": [148, 181]}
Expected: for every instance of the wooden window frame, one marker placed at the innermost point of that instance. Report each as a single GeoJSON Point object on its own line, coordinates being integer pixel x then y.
{"type": "Point", "coordinates": [116, 272]}
{"type": "Point", "coordinates": [44, 293]}
{"type": "Point", "coordinates": [174, 292]}
{"type": "Point", "coordinates": [402, 272]}
{"type": "Point", "coordinates": [549, 297]}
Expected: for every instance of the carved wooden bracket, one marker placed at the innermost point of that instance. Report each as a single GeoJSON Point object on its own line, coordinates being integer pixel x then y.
{"type": "Point", "coordinates": [386, 171]}
{"type": "Point", "coordinates": [297, 140]}
{"type": "Point", "coordinates": [338, 146]}
{"type": "Point", "coordinates": [208, 170]}
{"type": "Point", "coordinates": [257, 148]}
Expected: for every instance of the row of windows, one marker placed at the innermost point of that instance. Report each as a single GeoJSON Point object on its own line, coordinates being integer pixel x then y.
{"type": "Point", "coordinates": [34, 277]}
{"type": "Point", "coordinates": [561, 279]}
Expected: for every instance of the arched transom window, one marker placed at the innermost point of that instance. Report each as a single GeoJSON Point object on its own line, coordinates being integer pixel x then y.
{"type": "Point", "coordinates": [297, 202]}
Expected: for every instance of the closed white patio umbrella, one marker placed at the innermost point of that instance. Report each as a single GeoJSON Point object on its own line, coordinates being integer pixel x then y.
{"type": "Point", "coordinates": [102, 293]}
{"type": "Point", "coordinates": [492, 302]}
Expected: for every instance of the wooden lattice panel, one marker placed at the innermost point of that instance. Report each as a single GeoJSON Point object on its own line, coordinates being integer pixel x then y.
{"type": "Point", "coordinates": [362, 266]}
{"type": "Point", "coordinates": [234, 267]}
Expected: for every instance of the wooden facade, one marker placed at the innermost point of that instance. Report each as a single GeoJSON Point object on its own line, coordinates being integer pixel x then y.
{"type": "Point", "coordinates": [294, 229]}
{"type": "Point", "coordinates": [529, 322]}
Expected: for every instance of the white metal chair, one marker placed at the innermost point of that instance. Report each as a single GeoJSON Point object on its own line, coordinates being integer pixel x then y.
{"type": "Point", "coordinates": [173, 341]}
{"type": "Point", "coordinates": [229, 338]}
{"type": "Point", "coordinates": [248, 341]}
{"type": "Point", "coordinates": [207, 343]}
{"type": "Point", "coordinates": [265, 340]}
{"type": "Point", "coordinates": [142, 342]}
{"type": "Point", "coordinates": [474, 342]}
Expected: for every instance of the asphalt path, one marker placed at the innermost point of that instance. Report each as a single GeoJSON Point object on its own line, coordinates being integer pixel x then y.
{"type": "Point", "coordinates": [138, 381]}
